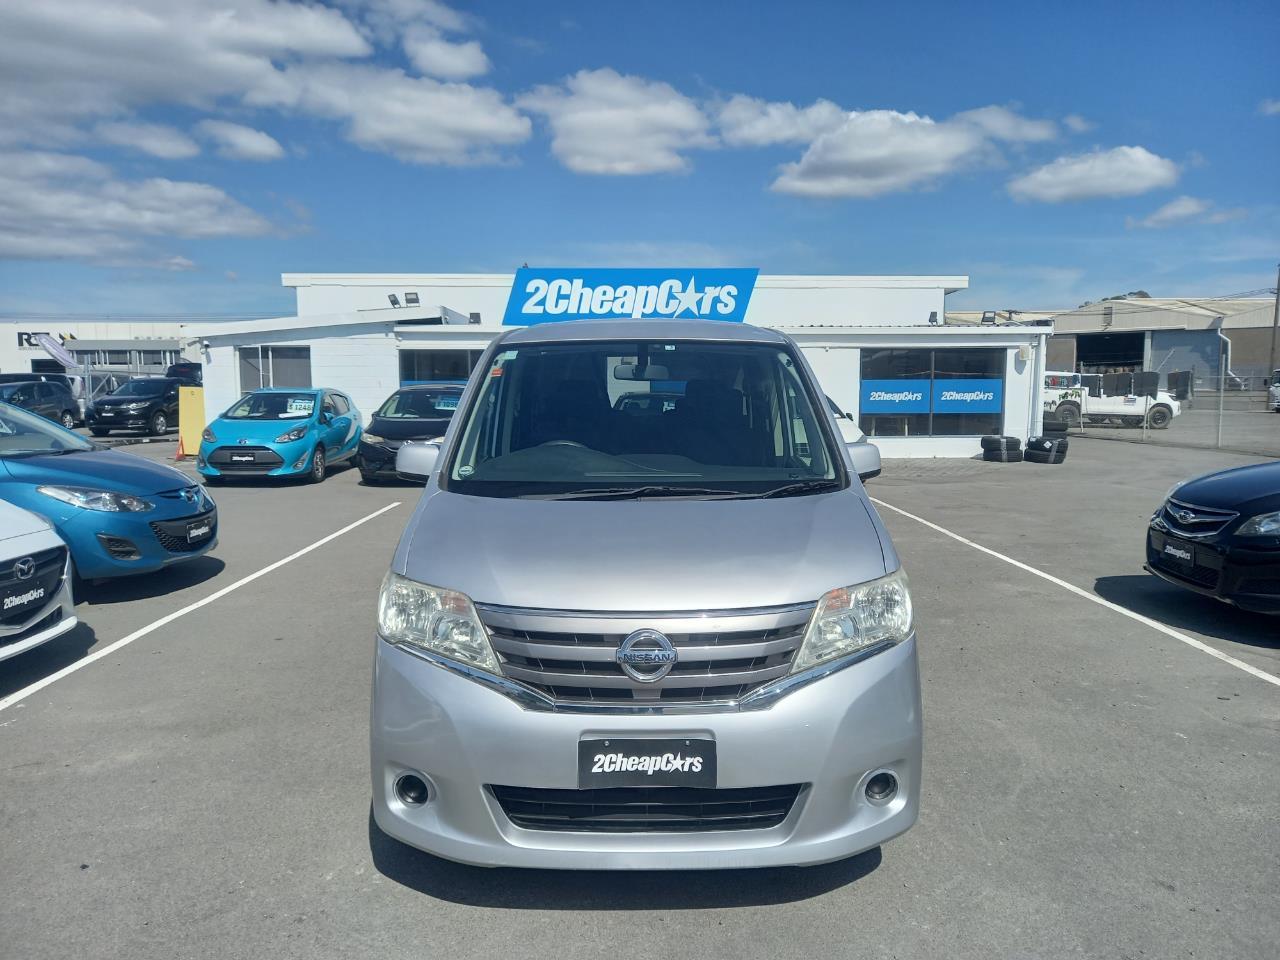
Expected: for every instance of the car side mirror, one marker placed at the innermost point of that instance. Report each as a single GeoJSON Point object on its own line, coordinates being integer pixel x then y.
{"type": "Point", "coordinates": [417, 461]}
{"type": "Point", "coordinates": [326, 417]}
{"type": "Point", "coordinates": [866, 459]}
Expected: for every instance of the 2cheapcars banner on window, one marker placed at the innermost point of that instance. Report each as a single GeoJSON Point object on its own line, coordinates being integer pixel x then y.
{"type": "Point", "coordinates": [549, 294]}
{"type": "Point", "coordinates": [940, 396]}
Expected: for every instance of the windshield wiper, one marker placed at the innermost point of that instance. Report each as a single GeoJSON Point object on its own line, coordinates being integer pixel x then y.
{"type": "Point", "coordinates": [635, 493]}
{"type": "Point", "coordinates": [796, 489]}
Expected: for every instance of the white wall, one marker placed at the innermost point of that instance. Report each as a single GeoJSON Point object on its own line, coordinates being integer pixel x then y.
{"type": "Point", "coordinates": [360, 361]}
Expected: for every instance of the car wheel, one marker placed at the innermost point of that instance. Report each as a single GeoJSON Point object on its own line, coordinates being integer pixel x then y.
{"type": "Point", "coordinates": [159, 424]}
{"type": "Point", "coordinates": [67, 420]}
{"type": "Point", "coordinates": [1159, 416]}
{"type": "Point", "coordinates": [368, 478]}
{"type": "Point", "coordinates": [98, 431]}
{"type": "Point", "coordinates": [318, 466]}
{"type": "Point", "coordinates": [1069, 412]}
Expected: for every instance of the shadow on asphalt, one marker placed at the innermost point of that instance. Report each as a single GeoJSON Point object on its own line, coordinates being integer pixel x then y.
{"type": "Point", "coordinates": [38, 663]}
{"type": "Point", "coordinates": [143, 586]}
{"type": "Point", "coordinates": [1152, 597]}
{"type": "Point", "coordinates": [514, 889]}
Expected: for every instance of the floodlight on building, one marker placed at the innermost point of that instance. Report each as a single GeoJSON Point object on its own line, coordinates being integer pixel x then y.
{"type": "Point", "coordinates": [410, 299]}
{"type": "Point", "coordinates": [395, 301]}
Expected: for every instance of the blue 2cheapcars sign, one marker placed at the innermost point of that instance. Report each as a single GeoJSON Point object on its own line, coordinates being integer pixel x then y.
{"type": "Point", "coordinates": [942, 396]}
{"type": "Point", "coordinates": [546, 294]}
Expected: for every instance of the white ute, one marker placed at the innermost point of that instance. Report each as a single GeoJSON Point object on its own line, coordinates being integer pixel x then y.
{"type": "Point", "coordinates": [35, 582]}
{"type": "Point", "coordinates": [1066, 397]}
{"type": "Point", "coordinates": [1273, 391]}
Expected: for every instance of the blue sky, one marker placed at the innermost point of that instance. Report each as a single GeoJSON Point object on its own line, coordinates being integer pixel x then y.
{"type": "Point", "coordinates": [179, 155]}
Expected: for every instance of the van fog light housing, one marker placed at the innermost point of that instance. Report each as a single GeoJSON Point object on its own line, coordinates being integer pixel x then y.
{"type": "Point", "coordinates": [849, 620]}
{"type": "Point", "coordinates": [882, 787]}
{"type": "Point", "coordinates": [412, 790]}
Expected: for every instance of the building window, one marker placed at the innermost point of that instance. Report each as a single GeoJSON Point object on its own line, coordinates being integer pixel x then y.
{"type": "Point", "coordinates": [932, 393]}
{"type": "Point", "coordinates": [274, 367]}
{"type": "Point", "coordinates": [421, 366]}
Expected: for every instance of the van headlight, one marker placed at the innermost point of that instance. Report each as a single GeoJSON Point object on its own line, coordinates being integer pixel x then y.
{"type": "Point", "coordinates": [851, 619]}
{"type": "Point", "coordinates": [432, 618]}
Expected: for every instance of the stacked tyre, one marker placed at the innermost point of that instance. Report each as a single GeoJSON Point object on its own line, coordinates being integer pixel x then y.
{"type": "Point", "coordinates": [1002, 449]}
{"type": "Point", "coordinates": [1046, 449]}
{"type": "Point", "coordinates": [1053, 427]}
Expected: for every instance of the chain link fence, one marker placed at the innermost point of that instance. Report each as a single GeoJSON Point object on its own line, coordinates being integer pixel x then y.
{"type": "Point", "coordinates": [1228, 413]}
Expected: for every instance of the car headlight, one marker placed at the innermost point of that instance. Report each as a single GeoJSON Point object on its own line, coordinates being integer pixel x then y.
{"type": "Point", "coordinates": [137, 405]}
{"type": "Point", "coordinates": [1263, 525]}
{"type": "Point", "coordinates": [373, 438]}
{"type": "Point", "coordinates": [432, 618]}
{"type": "Point", "coordinates": [851, 619]}
{"type": "Point", "coordinates": [106, 501]}
{"type": "Point", "coordinates": [208, 436]}
{"type": "Point", "coordinates": [297, 433]}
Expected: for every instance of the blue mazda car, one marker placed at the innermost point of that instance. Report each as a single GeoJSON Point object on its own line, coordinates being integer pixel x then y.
{"type": "Point", "coordinates": [118, 513]}
{"type": "Point", "coordinates": [281, 433]}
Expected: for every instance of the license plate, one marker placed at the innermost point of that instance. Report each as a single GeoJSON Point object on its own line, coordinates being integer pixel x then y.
{"type": "Point", "coordinates": [106, 413]}
{"type": "Point", "coordinates": [621, 762]}
{"type": "Point", "coordinates": [242, 458]}
{"type": "Point", "coordinates": [23, 597]}
{"type": "Point", "coordinates": [199, 531]}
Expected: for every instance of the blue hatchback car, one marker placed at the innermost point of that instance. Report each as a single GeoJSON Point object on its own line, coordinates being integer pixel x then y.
{"type": "Point", "coordinates": [118, 513]}
{"type": "Point", "coordinates": [281, 432]}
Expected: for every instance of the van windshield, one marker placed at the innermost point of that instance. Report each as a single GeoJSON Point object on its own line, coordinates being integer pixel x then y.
{"type": "Point", "coordinates": [570, 420]}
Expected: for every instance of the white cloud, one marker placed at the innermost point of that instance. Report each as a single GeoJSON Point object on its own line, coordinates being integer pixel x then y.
{"type": "Point", "coordinates": [881, 151]}
{"type": "Point", "coordinates": [155, 139]}
{"type": "Point", "coordinates": [1001, 123]}
{"type": "Point", "coordinates": [748, 121]}
{"type": "Point", "coordinates": [608, 123]}
{"type": "Point", "coordinates": [1077, 124]}
{"type": "Point", "coordinates": [1118, 172]}
{"type": "Point", "coordinates": [435, 56]}
{"type": "Point", "coordinates": [238, 142]}
{"type": "Point", "coordinates": [1269, 108]}
{"type": "Point", "coordinates": [177, 264]}
{"type": "Point", "coordinates": [65, 63]}
{"type": "Point", "coordinates": [417, 119]}
{"type": "Point", "coordinates": [58, 206]}
{"type": "Point", "coordinates": [1186, 209]}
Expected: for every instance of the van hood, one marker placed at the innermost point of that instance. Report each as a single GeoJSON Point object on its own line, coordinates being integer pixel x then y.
{"type": "Point", "coordinates": [105, 469]}
{"type": "Point", "coordinates": [642, 555]}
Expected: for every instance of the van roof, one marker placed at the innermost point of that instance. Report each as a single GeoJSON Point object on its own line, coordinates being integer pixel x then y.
{"type": "Point", "coordinates": [580, 330]}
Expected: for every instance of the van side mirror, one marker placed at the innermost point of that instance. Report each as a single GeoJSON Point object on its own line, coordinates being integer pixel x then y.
{"type": "Point", "coordinates": [417, 461]}
{"type": "Point", "coordinates": [866, 459]}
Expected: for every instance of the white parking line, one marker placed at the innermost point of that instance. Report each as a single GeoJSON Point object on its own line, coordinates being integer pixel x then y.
{"type": "Point", "coordinates": [1080, 592]}
{"type": "Point", "coordinates": [169, 618]}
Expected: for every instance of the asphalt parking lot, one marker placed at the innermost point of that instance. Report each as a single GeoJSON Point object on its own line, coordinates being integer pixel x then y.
{"type": "Point", "coordinates": [1094, 786]}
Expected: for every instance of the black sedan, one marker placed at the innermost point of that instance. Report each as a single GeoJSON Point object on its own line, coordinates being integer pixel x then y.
{"type": "Point", "coordinates": [418, 412]}
{"type": "Point", "coordinates": [1219, 535]}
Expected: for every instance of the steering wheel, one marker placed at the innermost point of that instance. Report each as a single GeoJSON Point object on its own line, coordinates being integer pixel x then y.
{"type": "Point", "coordinates": [563, 443]}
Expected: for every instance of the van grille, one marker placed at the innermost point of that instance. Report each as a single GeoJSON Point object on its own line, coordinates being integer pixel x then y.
{"type": "Point", "coordinates": [647, 809]}
{"type": "Point", "coordinates": [572, 656]}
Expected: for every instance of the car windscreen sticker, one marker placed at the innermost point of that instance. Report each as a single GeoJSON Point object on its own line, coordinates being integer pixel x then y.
{"type": "Point", "coordinates": [446, 403]}
{"type": "Point", "coordinates": [546, 295]}
{"type": "Point", "coordinates": [299, 407]}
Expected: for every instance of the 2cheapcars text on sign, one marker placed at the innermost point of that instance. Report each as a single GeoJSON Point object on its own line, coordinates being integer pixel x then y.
{"type": "Point", "coordinates": [549, 294]}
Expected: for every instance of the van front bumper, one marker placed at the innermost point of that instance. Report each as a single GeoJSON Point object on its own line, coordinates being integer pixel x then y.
{"type": "Point", "coordinates": [829, 736]}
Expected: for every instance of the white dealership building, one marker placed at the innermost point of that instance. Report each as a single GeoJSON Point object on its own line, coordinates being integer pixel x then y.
{"type": "Point", "coordinates": [879, 345]}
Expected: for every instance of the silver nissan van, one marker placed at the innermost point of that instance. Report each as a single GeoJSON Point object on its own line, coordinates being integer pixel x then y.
{"type": "Point", "coordinates": [644, 615]}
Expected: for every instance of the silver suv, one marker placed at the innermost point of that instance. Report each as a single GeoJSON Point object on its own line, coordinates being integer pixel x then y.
{"type": "Point", "coordinates": [629, 635]}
